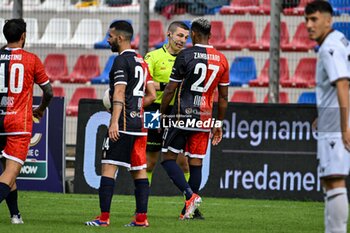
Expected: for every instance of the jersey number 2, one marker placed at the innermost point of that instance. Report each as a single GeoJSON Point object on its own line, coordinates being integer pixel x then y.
{"type": "Point", "coordinates": [16, 67]}
{"type": "Point", "coordinates": [139, 74]}
{"type": "Point", "coordinates": [202, 68]}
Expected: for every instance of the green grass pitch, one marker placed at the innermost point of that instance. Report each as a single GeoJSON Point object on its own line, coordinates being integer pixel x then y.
{"type": "Point", "coordinates": [49, 212]}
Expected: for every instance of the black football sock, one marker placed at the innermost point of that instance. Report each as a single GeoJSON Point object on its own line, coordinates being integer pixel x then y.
{"type": "Point", "coordinates": [4, 191]}
{"type": "Point", "coordinates": [12, 202]}
{"type": "Point", "coordinates": [141, 195]}
{"type": "Point", "coordinates": [105, 193]}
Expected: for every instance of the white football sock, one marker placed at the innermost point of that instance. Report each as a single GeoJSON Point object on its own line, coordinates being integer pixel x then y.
{"type": "Point", "coordinates": [337, 210]}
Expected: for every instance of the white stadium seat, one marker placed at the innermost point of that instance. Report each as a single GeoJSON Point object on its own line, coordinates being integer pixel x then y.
{"type": "Point", "coordinates": [32, 30]}
{"type": "Point", "coordinates": [88, 32]}
{"type": "Point", "coordinates": [57, 32]}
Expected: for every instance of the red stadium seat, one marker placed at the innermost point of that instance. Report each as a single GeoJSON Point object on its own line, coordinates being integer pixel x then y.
{"type": "Point", "coordinates": [304, 76]}
{"type": "Point", "coordinates": [156, 34]}
{"type": "Point", "coordinates": [243, 96]}
{"type": "Point", "coordinates": [58, 91]}
{"type": "Point", "coordinates": [300, 41]}
{"type": "Point", "coordinates": [79, 93]}
{"type": "Point", "coordinates": [242, 34]}
{"type": "Point", "coordinates": [56, 66]}
{"type": "Point", "coordinates": [299, 10]}
{"type": "Point", "coordinates": [238, 7]}
{"type": "Point", "coordinates": [283, 98]}
{"type": "Point", "coordinates": [264, 8]}
{"type": "Point", "coordinates": [218, 34]}
{"type": "Point", "coordinates": [263, 79]}
{"type": "Point", "coordinates": [86, 67]}
{"type": "Point", "coordinates": [264, 42]}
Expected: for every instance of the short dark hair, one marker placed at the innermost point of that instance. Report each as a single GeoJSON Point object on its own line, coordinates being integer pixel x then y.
{"type": "Point", "coordinates": [124, 27]}
{"type": "Point", "coordinates": [201, 25]}
{"type": "Point", "coordinates": [177, 24]}
{"type": "Point", "coordinates": [13, 29]}
{"type": "Point", "coordinates": [318, 5]}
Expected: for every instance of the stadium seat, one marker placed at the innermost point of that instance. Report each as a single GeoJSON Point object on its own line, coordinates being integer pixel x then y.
{"type": "Point", "coordinates": [218, 34]}
{"type": "Point", "coordinates": [57, 32]}
{"type": "Point", "coordinates": [58, 91]}
{"type": "Point", "coordinates": [264, 43]}
{"type": "Point", "coordinates": [263, 9]}
{"type": "Point", "coordinates": [304, 76]}
{"type": "Point", "coordinates": [2, 37]}
{"type": "Point", "coordinates": [283, 98]}
{"type": "Point", "coordinates": [263, 79]}
{"type": "Point", "coordinates": [243, 69]}
{"type": "Point", "coordinates": [300, 41]}
{"type": "Point", "coordinates": [32, 31]}
{"type": "Point", "coordinates": [240, 7]}
{"type": "Point", "coordinates": [54, 4]}
{"type": "Point", "coordinates": [79, 93]}
{"type": "Point", "coordinates": [340, 6]}
{"type": "Point", "coordinates": [299, 10]}
{"type": "Point", "coordinates": [88, 32]}
{"type": "Point", "coordinates": [307, 98]}
{"type": "Point", "coordinates": [243, 96]}
{"type": "Point", "coordinates": [241, 35]}
{"type": "Point", "coordinates": [104, 77]}
{"type": "Point", "coordinates": [156, 34]}
{"type": "Point", "coordinates": [86, 67]}
{"type": "Point", "coordinates": [344, 27]}
{"type": "Point", "coordinates": [56, 66]}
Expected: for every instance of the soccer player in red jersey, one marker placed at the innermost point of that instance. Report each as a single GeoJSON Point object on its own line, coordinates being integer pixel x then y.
{"type": "Point", "coordinates": [19, 70]}
{"type": "Point", "coordinates": [197, 72]}
{"type": "Point", "coordinates": [131, 88]}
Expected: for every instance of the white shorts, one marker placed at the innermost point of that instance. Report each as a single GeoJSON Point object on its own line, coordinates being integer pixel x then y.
{"type": "Point", "coordinates": [334, 159]}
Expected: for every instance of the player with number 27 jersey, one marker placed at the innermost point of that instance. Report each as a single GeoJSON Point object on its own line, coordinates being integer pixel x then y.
{"type": "Point", "coordinates": [200, 70]}
{"type": "Point", "coordinates": [19, 70]}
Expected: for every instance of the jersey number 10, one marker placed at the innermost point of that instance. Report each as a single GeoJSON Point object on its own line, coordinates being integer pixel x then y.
{"type": "Point", "coordinates": [16, 67]}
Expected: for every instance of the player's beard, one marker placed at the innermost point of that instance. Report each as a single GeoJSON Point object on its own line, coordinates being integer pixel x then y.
{"type": "Point", "coordinates": [115, 47]}
{"type": "Point", "coordinates": [24, 42]}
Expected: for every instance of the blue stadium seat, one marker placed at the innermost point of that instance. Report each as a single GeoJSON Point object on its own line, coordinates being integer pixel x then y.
{"type": "Point", "coordinates": [243, 69]}
{"type": "Point", "coordinates": [104, 77]}
{"type": "Point", "coordinates": [344, 27]}
{"type": "Point", "coordinates": [307, 98]}
{"type": "Point", "coordinates": [188, 42]}
{"type": "Point", "coordinates": [103, 44]}
{"type": "Point", "coordinates": [340, 6]}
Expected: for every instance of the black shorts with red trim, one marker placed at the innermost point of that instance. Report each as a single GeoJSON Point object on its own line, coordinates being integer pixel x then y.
{"type": "Point", "coordinates": [128, 151]}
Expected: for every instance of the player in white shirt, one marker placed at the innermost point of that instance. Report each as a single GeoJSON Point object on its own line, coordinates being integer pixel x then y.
{"type": "Point", "coordinates": [332, 93]}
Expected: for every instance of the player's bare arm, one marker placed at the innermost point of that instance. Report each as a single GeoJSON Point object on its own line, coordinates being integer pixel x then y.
{"type": "Point", "coordinates": [150, 96]}
{"type": "Point", "coordinates": [223, 99]}
{"type": "Point", "coordinates": [118, 105]}
{"type": "Point", "coordinates": [168, 95]}
{"type": "Point", "coordinates": [343, 99]}
{"type": "Point", "coordinates": [45, 101]}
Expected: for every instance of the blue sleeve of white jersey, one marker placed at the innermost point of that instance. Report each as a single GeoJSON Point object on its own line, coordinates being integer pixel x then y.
{"type": "Point", "coordinates": [177, 73]}
{"type": "Point", "coordinates": [120, 71]}
{"type": "Point", "coordinates": [335, 60]}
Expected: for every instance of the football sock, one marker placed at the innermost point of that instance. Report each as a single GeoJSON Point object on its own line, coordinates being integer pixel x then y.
{"type": "Point", "coordinates": [105, 193]}
{"type": "Point", "coordinates": [195, 178]}
{"type": "Point", "coordinates": [337, 210]}
{"type": "Point", "coordinates": [177, 176]}
{"type": "Point", "coordinates": [12, 202]}
{"type": "Point", "coordinates": [149, 176]}
{"type": "Point", "coordinates": [4, 191]}
{"type": "Point", "coordinates": [141, 195]}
